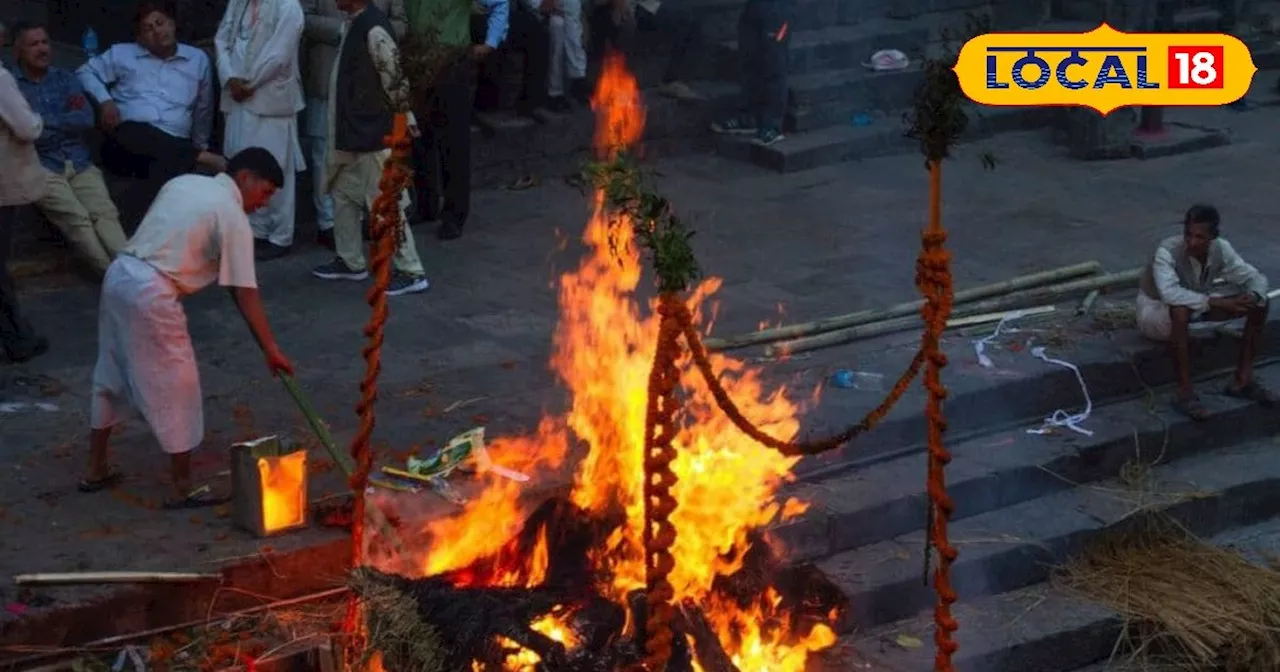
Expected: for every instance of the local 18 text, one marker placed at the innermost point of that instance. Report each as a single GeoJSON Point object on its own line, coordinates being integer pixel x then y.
{"type": "Point", "coordinates": [1031, 68]}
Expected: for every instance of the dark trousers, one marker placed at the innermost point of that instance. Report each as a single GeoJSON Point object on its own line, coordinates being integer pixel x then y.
{"type": "Point", "coordinates": [764, 34]}
{"type": "Point", "coordinates": [17, 337]}
{"type": "Point", "coordinates": [531, 38]}
{"type": "Point", "coordinates": [442, 156]}
{"type": "Point", "coordinates": [149, 157]}
{"type": "Point", "coordinates": [680, 32]}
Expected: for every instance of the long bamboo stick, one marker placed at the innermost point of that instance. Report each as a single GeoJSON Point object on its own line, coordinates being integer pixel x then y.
{"type": "Point", "coordinates": [900, 310]}
{"type": "Point", "coordinates": [1030, 297]}
{"type": "Point", "coordinates": [89, 578]}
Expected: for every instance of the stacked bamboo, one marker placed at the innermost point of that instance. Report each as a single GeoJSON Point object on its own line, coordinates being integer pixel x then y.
{"type": "Point", "coordinates": [1026, 295]}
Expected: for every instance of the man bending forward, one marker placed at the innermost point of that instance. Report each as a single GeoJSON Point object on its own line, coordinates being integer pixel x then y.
{"type": "Point", "coordinates": [1178, 289]}
{"type": "Point", "coordinates": [196, 233]}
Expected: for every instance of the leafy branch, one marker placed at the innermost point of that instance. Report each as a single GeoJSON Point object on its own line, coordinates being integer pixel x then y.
{"type": "Point", "coordinates": [630, 195]}
{"type": "Point", "coordinates": [938, 118]}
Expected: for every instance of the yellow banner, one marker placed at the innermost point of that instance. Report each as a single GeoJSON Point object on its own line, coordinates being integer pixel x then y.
{"type": "Point", "coordinates": [1104, 69]}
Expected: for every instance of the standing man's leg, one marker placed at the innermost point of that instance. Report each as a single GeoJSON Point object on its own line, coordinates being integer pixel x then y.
{"type": "Point", "coordinates": [274, 224]}
{"type": "Point", "coordinates": [575, 52]}
{"type": "Point", "coordinates": [746, 120]}
{"type": "Point", "coordinates": [73, 220]}
{"type": "Point", "coordinates": [454, 93]}
{"type": "Point", "coordinates": [774, 44]}
{"type": "Point", "coordinates": [348, 194]}
{"type": "Point", "coordinates": [17, 337]}
{"type": "Point", "coordinates": [681, 32]}
{"type": "Point", "coordinates": [531, 35]}
{"type": "Point", "coordinates": [426, 158]}
{"type": "Point", "coordinates": [555, 83]}
{"type": "Point", "coordinates": [90, 188]}
{"type": "Point", "coordinates": [317, 145]}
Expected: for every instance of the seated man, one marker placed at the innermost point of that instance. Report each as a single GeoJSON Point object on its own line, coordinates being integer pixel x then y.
{"type": "Point", "coordinates": [1177, 289]}
{"type": "Point", "coordinates": [76, 199]}
{"type": "Point", "coordinates": [156, 106]}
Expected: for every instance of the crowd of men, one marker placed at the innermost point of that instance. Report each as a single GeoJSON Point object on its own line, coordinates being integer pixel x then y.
{"type": "Point", "coordinates": [293, 90]}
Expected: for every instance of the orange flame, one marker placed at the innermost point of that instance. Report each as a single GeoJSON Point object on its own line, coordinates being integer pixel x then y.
{"type": "Point", "coordinates": [284, 493]}
{"type": "Point", "coordinates": [603, 349]}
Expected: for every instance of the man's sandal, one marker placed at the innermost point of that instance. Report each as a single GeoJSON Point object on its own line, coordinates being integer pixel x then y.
{"type": "Point", "coordinates": [110, 480]}
{"type": "Point", "coordinates": [1252, 391]}
{"type": "Point", "coordinates": [1192, 408]}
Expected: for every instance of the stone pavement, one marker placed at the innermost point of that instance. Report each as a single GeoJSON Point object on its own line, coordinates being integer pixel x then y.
{"type": "Point", "coordinates": [819, 243]}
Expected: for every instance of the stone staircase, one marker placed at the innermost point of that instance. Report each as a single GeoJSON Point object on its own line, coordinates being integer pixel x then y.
{"type": "Point", "coordinates": [1026, 504]}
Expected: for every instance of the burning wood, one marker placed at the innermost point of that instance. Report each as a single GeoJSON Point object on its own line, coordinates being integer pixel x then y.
{"type": "Point", "coordinates": [510, 611]}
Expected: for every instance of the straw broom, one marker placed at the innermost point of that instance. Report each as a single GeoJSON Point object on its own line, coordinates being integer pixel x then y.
{"type": "Point", "coordinates": [1195, 605]}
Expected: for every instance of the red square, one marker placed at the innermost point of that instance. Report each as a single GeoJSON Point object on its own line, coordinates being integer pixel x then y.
{"type": "Point", "coordinates": [1195, 67]}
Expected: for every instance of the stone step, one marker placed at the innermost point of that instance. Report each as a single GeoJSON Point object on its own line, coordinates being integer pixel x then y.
{"type": "Point", "coordinates": [887, 500]}
{"type": "Point", "coordinates": [833, 97]}
{"type": "Point", "coordinates": [1017, 546]}
{"type": "Point", "coordinates": [885, 136]}
{"type": "Point", "coordinates": [1040, 628]}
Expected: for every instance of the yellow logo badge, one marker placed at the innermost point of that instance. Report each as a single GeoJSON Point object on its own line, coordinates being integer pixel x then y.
{"type": "Point", "coordinates": [1104, 69]}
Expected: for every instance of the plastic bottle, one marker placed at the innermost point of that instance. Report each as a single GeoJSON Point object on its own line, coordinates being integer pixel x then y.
{"type": "Point", "coordinates": [89, 42]}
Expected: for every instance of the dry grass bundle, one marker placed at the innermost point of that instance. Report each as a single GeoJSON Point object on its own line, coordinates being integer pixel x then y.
{"type": "Point", "coordinates": [1186, 603]}
{"type": "Point", "coordinates": [395, 628]}
{"type": "Point", "coordinates": [1115, 316]}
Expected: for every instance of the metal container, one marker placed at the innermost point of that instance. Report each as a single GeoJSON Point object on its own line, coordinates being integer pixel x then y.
{"type": "Point", "coordinates": [269, 487]}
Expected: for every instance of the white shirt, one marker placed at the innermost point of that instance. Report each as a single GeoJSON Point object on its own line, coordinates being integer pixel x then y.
{"type": "Point", "coordinates": [197, 233]}
{"type": "Point", "coordinates": [173, 94]}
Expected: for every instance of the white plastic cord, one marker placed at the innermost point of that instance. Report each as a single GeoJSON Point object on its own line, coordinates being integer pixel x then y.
{"type": "Point", "coordinates": [1059, 418]}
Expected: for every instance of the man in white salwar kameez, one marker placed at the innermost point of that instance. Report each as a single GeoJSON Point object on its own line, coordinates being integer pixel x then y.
{"type": "Point", "coordinates": [257, 49]}
{"type": "Point", "coordinates": [195, 234]}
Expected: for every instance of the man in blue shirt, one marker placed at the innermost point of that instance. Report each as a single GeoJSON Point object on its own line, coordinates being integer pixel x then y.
{"type": "Point", "coordinates": [155, 99]}
{"type": "Point", "coordinates": [76, 198]}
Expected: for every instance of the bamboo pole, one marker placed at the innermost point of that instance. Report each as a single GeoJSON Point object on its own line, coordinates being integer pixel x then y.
{"type": "Point", "coordinates": [1030, 297]}
{"type": "Point", "coordinates": [900, 310]}
{"type": "Point", "coordinates": [91, 578]}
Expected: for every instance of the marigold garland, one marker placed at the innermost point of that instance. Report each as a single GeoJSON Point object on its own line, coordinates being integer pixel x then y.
{"type": "Point", "coordinates": [385, 223]}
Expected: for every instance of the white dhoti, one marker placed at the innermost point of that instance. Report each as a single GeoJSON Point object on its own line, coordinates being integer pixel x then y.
{"type": "Point", "coordinates": [1155, 322]}
{"type": "Point", "coordinates": [145, 360]}
{"type": "Point", "coordinates": [278, 135]}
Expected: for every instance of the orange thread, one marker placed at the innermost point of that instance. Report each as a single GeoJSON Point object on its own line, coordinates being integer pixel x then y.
{"type": "Point", "coordinates": [385, 224]}
{"type": "Point", "coordinates": [933, 278]}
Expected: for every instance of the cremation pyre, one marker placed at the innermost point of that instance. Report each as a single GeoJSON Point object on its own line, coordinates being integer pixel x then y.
{"type": "Point", "coordinates": [499, 588]}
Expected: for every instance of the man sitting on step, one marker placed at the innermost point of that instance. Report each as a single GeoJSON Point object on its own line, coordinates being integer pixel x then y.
{"type": "Point", "coordinates": [1178, 289]}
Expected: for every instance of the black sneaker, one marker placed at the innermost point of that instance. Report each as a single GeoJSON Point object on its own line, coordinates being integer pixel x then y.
{"type": "Point", "coordinates": [768, 136]}
{"type": "Point", "coordinates": [449, 231]}
{"type": "Point", "coordinates": [404, 283]}
{"type": "Point", "coordinates": [338, 270]}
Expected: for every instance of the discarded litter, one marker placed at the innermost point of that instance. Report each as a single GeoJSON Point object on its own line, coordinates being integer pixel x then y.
{"type": "Point", "coordinates": [27, 406]}
{"type": "Point", "coordinates": [466, 453]}
{"type": "Point", "coordinates": [858, 380]}
{"type": "Point", "coordinates": [1059, 418]}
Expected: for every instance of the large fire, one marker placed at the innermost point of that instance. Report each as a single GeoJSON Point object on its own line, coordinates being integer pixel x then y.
{"type": "Point", "coordinates": [727, 485]}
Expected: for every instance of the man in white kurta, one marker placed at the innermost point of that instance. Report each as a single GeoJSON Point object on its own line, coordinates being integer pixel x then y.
{"type": "Point", "coordinates": [257, 52]}
{"type": "Point", "coordinates": [195, 234]}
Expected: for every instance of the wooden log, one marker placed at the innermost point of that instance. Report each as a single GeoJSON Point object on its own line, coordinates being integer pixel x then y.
{"type": "Point", "coordinates": [706, 645]}
{"type": "Point", "coordinates": [1031, 297]}
{"type": "Point", "coordinates": [900, 310]}
{"type": "Point", "coordinates": [90, 578]}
